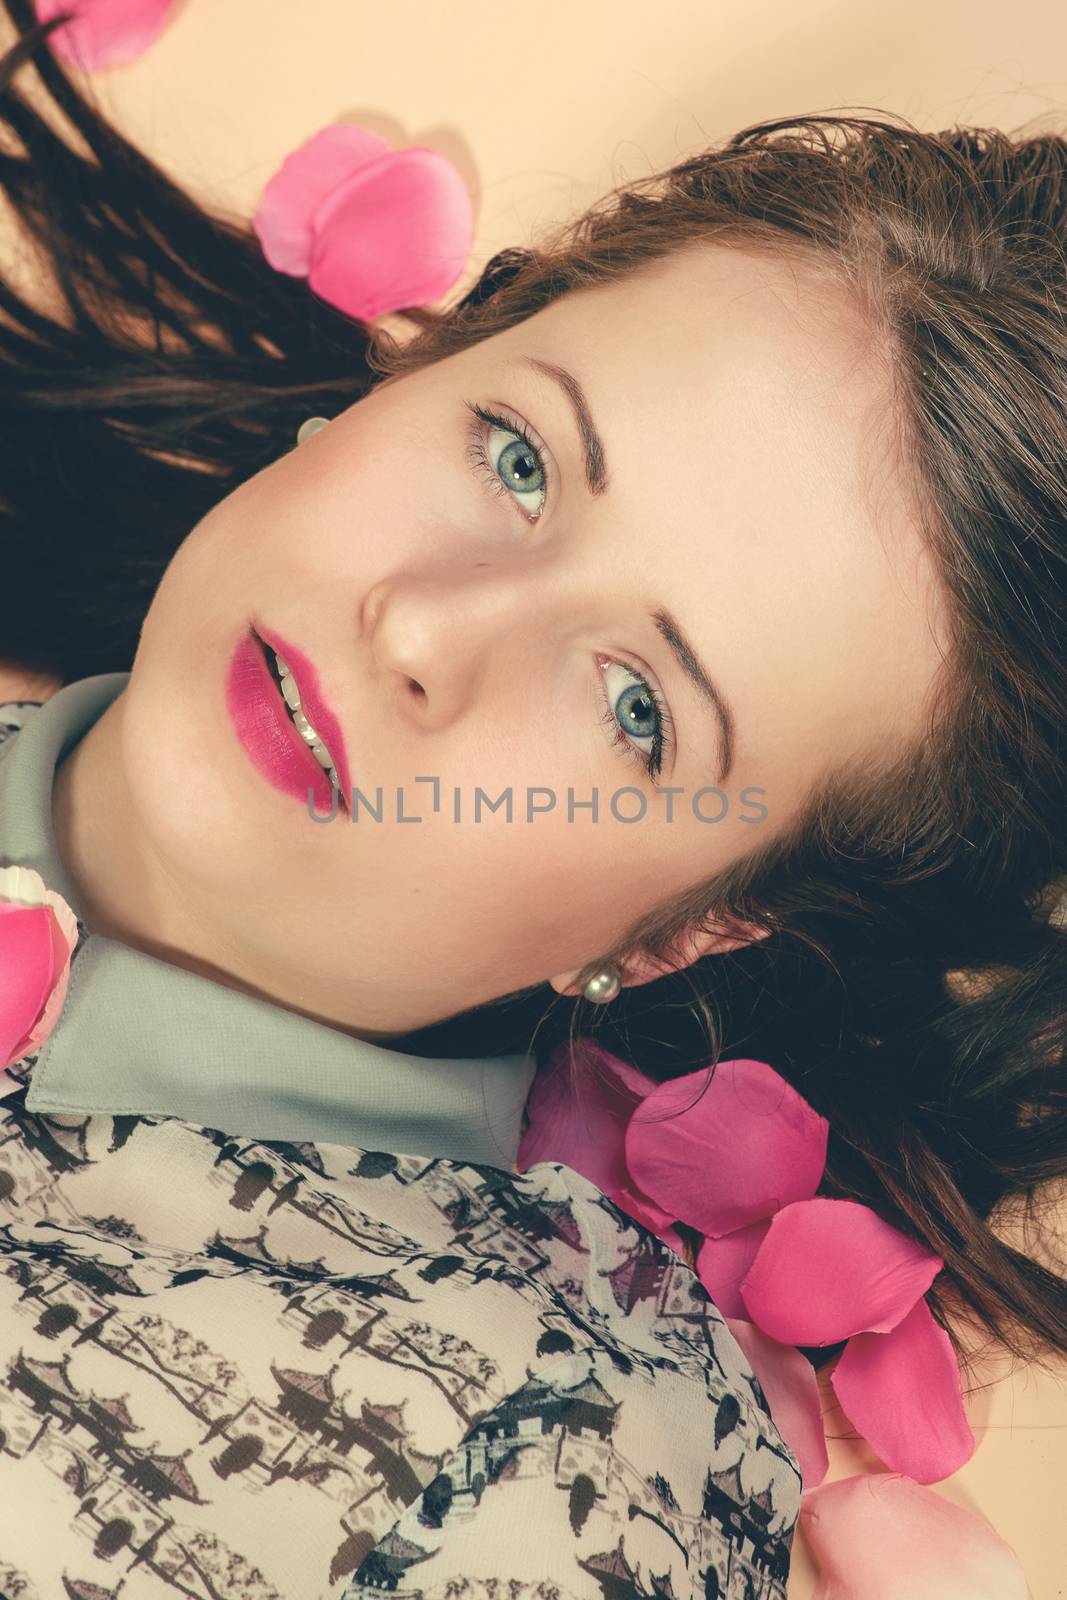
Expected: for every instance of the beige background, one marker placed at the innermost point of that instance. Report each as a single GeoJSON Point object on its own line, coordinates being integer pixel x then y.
{"type": "Point", "coordinates": [542, 108]}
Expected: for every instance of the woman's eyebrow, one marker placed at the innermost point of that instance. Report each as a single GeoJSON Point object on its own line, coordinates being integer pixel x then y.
{"type": "Point", "coordinates": [596, 467]}
{"type": "Point", "coordinates": [596, 477]}
{"type": "Point", "coordinates": [694, 669]}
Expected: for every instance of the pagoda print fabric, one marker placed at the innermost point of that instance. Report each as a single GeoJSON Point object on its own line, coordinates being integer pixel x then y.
{"type": "Point", "coordinates": [239, 1370]}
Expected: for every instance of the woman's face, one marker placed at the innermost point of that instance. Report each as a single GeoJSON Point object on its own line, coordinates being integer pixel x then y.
{"type": "Point", "coordinates": [482, 622]}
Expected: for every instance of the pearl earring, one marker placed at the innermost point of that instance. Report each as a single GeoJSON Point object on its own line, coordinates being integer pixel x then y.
{"type": "Point", "coordinates": [310, 426]}
{"type": "Point", "coordinates": [603, 985]}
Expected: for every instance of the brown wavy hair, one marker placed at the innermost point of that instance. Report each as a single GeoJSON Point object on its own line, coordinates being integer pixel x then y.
{"type": "Point", "coordinates": [913, 983]}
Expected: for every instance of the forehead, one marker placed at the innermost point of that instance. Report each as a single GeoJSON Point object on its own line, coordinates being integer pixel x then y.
{"type": "Point", "coordinates": [765, 352]}
{"type": "Point", "coordinates": [745, 407]}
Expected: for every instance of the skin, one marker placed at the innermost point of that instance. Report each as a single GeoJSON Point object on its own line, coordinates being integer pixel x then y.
{"type": "Point", "coordinates": [743, 413]}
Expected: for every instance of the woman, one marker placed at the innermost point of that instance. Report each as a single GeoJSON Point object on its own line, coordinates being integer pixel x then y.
{"type": "Point", "coordinates": [284, 1093]}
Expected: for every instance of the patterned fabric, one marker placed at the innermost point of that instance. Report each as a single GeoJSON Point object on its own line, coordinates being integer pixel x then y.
{"type": "Point", "coordinates": [244, 1370]}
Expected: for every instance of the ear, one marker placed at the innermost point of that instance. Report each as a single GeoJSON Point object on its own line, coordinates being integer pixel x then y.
{"type": "Point", "coordinates": [689, 947]}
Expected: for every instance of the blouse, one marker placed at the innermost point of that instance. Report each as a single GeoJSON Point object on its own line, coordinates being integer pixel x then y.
{"type": "Point", "coordinates": [268, 1343]}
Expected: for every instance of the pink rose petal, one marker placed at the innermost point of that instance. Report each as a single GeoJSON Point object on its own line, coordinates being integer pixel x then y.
{"type": "Point", "coordinates": [397, 233]}
{"type": "Point", "coordinates": [104, 33]}
{"type": "Point", "coordinates": [283, 218]}
{"type": "Point", "coordinates": [578, 1115]}
{"type": "Point", "coordinates": [883, 1537]}
{"type": "Point", "coordinates": [723, 1148]}
{"type": "Point", "coordinates": [62, 950]}
{"type": "Point", "coordinates": [901, 1390]}
{"type": "Point", "coordinates": [723, 1263]}
{"type": "Point", "coordinates": [832, 1268]}
{"type": "Point", "coordinates": [38, 933]}
{"type": "Point", "coordinates": [788, 1380]}
{"type": "Point", "coordinates": [27, 972]}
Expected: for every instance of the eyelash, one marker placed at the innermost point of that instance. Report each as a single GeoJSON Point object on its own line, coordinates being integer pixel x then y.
{"type": "Point", "coordinates": [663, 740]}
{"type": "Point", "coordinates": [479, 459]}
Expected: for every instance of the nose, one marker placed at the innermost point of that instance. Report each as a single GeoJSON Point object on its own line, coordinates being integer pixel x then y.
{"type": "Point", "coordinates": [435, 638]}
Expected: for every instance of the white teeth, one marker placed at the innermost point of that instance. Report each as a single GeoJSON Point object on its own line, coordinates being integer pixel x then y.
{"type": "Point", "coordinates": [292, 699]}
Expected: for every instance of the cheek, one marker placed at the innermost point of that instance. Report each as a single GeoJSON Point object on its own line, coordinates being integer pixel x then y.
{"type": "Point", "coordinates": [520, 889]}
{"type": "Point", "coordinates": [302, 515]}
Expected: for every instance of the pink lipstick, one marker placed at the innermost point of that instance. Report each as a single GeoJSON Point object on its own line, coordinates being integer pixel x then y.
{"type": "Point", "coordinates": [263, 721]}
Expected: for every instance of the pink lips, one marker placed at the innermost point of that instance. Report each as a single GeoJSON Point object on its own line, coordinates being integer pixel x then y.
{"type": "Point", "coordinates": [266, 730]}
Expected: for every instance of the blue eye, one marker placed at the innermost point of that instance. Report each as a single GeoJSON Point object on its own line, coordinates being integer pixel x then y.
{"type": "Point", "coordinates": [634, 712]}
{"type": "Point", "coordinates": [517, 462]}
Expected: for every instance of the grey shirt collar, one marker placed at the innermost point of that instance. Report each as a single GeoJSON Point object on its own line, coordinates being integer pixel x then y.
{"type": "Point", "coordinates": [137, 1035]}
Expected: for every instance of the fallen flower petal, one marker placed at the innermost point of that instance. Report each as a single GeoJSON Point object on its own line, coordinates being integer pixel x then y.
{"type": "Point", "coordinates": [104, 33]}
{"type": "Point", "coordinates": [724, 1147]}
{"type": "Point", "coordinates": [882, 1536]}
{"type": "Point", "coordinates": [901, 1390]}
{"type": "Point", "coordinates": [397, 233]}
{"type": "Point", "coordinates": [789, 1382]}
{"type": "Point", "coordinates": [26, 974]}
{"type": "Point", "coordinates": [282, 220]}
{"type": "Point", "coordinates": [38, 934]}
{"type": "Point", "coordinates": [829, 1269]}
{"type": "Point", "coordinates": [722, 1265]}
{"type": "Point", "coordinates": [577, 1114]}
